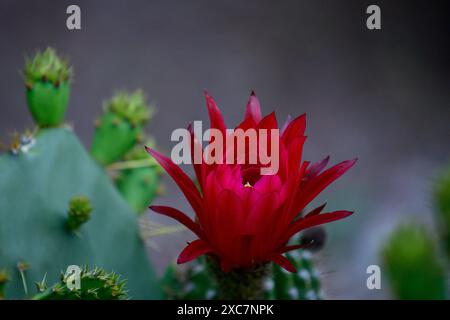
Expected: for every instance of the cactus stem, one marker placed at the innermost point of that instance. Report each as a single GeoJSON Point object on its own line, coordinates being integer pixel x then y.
{"type": "Point", "coordinates": [240, 284]}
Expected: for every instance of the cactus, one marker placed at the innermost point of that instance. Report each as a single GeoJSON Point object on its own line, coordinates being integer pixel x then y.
{"type": "Point", "coordinates": [197, 282]}
{"type": "Point", "coordinates": [302, 285]}
{"type": "Point", "coordinates": [138, 181]}
{"type": "Point", "coordinates": [95, 284]}
{"type": "Point", "coordinates": [79, 212]}
{"type": "Point", "coordinates": [35, 189]}
{"type": "Point", "coordinates": [45, 225]}
{"type": "Point", "coordinates": [412, 265]}
{"type": "Point", "coordinates": [442, 206]}
{"type": "Point", "coordinates": [47, 81]}
{"type": "Point", "coordinates": [120, 127]}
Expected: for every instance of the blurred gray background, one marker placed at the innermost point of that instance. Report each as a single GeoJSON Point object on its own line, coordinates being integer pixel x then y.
{"type": "Point", "coordinates": [382, 96]}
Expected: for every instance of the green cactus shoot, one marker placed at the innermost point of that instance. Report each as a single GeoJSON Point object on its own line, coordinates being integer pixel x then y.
{"type": "Point", "coordinates": [80, 209]}
{"type": "Point", "coordinates": [412, 266]}
{"type": "Point", "coordinates": [120, 127]}
{"type": "Point", "coordinates": [47, 81]}
{"type": "Point", "coordinates": [139, 178]}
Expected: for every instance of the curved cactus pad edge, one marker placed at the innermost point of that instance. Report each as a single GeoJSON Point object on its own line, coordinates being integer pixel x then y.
{"type": "Point", "coordinates": [35, 189]}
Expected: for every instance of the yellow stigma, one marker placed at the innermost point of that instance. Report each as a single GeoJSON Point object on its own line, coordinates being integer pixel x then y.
{"type": "Point", "coordinates": [248, 185]}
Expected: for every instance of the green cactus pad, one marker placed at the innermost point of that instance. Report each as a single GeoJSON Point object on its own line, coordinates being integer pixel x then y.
{"type": "Point", "coordinates": [95, 284]}
{"type": "Point", "coordinates": [35, 188]}
{"type": "Point", "coordinates": [113, 138]}
{"type": "Point", "coordinates": [47, 103]}
{"type": "Point", "coordinates": [141, 184]}
{"type": "Point", "coordinates": [47, 79]}
{"type": "Point", "coordinates": [412, 266]}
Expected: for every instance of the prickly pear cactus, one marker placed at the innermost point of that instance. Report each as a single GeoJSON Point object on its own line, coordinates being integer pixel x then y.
{"type": "Point", "coordinates": [139, 181]}
{"type": "Point", "coordinates": [95, 284]}
{"type": "Point", "coordinates": [36, 185]}
{"type": "Point", "coordinates": [412, 265]}
{"type": "Point", "coordinates": [120, 127]}
{"type": "Point", "coordinates": [47, 79]}
{"type": "Point", "coordinates": [197, 281]}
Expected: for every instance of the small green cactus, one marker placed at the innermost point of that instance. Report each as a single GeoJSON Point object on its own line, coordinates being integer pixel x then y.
{"type": "Point", "coordinates": [442, 206]}
{"type": "Point", "coordinates": [195, 283]}
{"type": "Point", "coordinates": [302, 285]}
{"type": "Point", "coordinates": [47, 80]}
{"type": "Point", "coordinates": [412, 265]}
{"type": "Point", "coordinates": [95, 284]}
{"type": "Point", "coordinates": [80, 209]}
{"type": "Point", "coordinates": [120, 127]}
{"type": "Point", "coordinates": [140, 182]}
{"type": "Point", "coordinates": [198, 282]}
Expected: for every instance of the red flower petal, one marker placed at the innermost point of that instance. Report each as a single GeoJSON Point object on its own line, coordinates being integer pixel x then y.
{"type": "Point", "coordinates": [311, 188]}
{"type": "Point", "coordinates": [315, 220]}
{"type": "Point", "coordinates": [316, 168]}
{"type": "Point", "coordinates": [295, 129]}
{"type": "Point", "coordinates": [193, 250]}
{"type": "Point", "coordinates": [316, 211]}
{"type": "Point", "coordinates": [214, 114]}
{"type": "Point", "coordinates": [294, 247]}
{"type": "Point", "coordinates": [283, 262]}
{"type": "Point", "coordinates": [268, 122]}
{"type": "Point", "coordinates": [186, 185]}
{"type": "Point", "coordinates": [199, 168]}
{"type": "Point", "coordinates": [180, 217]}
{"type": "Point", "coordinates": [253, 109]}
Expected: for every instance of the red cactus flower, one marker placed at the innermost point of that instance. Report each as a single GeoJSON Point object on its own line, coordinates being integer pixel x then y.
{"type": "Point", "coordinates": [243, 218]}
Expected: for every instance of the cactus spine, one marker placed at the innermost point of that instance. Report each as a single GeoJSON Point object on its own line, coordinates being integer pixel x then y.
{"type": "Point", "coordinates": [95, 284]}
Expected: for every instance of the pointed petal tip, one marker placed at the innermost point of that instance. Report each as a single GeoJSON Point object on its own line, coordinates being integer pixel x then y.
{"type": "Point", "coordinates": [253, 93]}
{"type": "Point", "coordinates": [149, 150]}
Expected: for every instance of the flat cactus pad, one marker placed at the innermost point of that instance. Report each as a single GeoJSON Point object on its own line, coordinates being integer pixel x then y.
{"type": "Point", "coordinates": [36, 186]}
